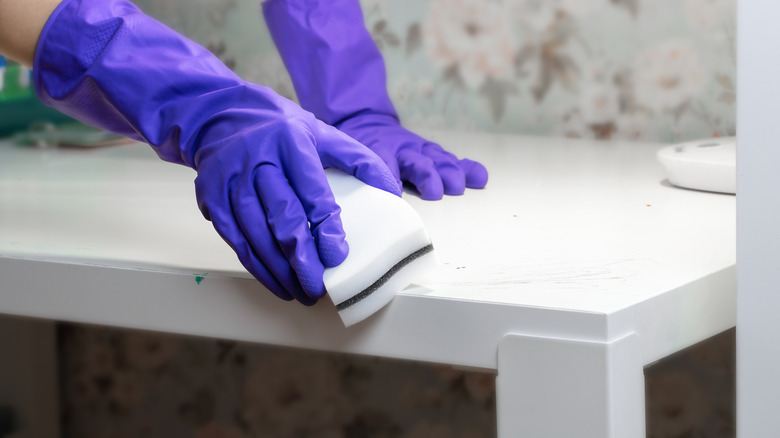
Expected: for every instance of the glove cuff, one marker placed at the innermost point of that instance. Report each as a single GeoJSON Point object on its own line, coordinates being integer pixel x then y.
{"type": "Point", "coordinates": [335, 66]}
{"type": "Point", "coordinates": [41, 47]}
{"type": "Point", "coordinates": [108, 64]}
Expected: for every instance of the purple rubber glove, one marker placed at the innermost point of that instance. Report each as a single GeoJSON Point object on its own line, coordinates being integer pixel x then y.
{"type": "Point", "coordinates": [259, 157]}
{"type": "Point", "coordinates": [339, 75]}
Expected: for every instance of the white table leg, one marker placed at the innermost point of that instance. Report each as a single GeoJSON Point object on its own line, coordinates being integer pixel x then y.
{"type": "Point", "coordinates": [28, 376]}
{"type": "Point", "coordinates": [561, 388]}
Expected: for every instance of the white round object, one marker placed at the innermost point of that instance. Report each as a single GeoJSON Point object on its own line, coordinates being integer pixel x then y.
{"type": "Point", "coordinates": [708, 164]}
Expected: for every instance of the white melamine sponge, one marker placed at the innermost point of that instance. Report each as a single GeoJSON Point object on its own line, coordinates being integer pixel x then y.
{"type": "Point", "coordinates": [388, 248]}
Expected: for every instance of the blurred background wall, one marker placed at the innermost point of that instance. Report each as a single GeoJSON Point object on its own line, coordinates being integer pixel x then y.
{"type": "Point", "coordinates": [657, 70]}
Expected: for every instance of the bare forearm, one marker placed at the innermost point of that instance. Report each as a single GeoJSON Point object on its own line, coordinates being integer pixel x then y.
{"type": "Point", "coordinates": [21, 22]}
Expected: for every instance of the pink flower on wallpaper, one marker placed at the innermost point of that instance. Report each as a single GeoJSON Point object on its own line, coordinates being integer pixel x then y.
{"type": "Point", "coordinates": [471, 36]}
{"type": "Point", "coordinates": [668, 75]}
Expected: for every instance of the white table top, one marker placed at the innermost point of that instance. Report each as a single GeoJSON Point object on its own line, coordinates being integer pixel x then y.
{"type": "Point", "coordinates": [574, 239]}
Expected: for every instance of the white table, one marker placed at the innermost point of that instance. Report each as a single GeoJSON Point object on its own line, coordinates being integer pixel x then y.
{"type": "Point", "coordinates": [575, 268]}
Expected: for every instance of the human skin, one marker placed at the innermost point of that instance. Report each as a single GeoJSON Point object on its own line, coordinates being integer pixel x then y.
{"type": "Point", "coordinates": [21, 23]}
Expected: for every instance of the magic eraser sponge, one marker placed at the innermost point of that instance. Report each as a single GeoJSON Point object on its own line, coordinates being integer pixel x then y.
{"type": "Point", "coordinates": [389, 248]}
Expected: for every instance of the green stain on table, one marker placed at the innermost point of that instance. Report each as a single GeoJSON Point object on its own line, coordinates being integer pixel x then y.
{"type": "Point", "coordinates": [199, 278]}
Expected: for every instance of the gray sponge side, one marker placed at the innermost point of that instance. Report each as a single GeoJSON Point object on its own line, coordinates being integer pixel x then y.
{"type": "Point", "coordinates": [384, 278]}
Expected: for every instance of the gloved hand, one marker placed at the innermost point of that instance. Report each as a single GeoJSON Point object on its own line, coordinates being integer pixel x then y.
{"type": "Point", "coordinates": [259, 157]}
{"type": "Point", "coordinates": [339, 75]}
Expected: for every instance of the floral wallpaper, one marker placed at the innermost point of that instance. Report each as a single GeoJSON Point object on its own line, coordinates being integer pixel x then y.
{"type": "Point", "coordinates": [123, 383]}
{"type": "Point", "coordinates": [126, 383]}
{"type": "Point", "coordinates": [660, 70]}
{"type": "Point", "coordinates": [618, 69]}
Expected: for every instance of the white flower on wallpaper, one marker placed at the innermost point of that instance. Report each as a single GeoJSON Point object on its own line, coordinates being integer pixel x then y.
{"type": "Point", "coordinates": [707, 14]}
{"type": "Point", "coordinates": [668, 75]}
{"type": "Point", "coordinates": [599, 103]}
{"type": "Point", "coordinates": [471, 37]}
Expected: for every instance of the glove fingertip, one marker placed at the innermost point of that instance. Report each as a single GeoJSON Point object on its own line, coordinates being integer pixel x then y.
{"type": "Point", "coordinates": [452, 177]}
{"type": "Point", "coordinates": [312, 284]}
{"type": "Point", "coordinates": [284, 295]}
{"type": "Point", "coordinates": [454, 189]}
{"type": "Point", "coordinates": [430, 191]}
{"type": "Point", "coordinates": [308, 301]}
{"type": "Point", "coordinates": [476, 174]}
{"type": "Point", "coordinates": [318, 293]}
{"type": "Point", "coordinates": [381, 176]}
{"type": "Point", "coordinates": [330, 240]}
{"type": "Point", "coordinates": [333, 251]}
{"type": "Point", "coordinates": [381, 180]}
{"type": "Point", "coordinates": [392, 185]}
{"type": "Point", "coordinates": [431, 196]}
